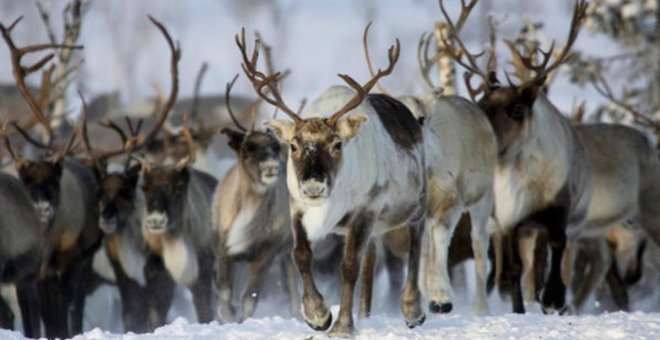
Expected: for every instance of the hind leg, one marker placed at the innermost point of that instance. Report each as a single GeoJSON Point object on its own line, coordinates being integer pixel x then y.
{"type": "Point", "coordinates": [6, 315]}
{"type": "Point", "coordinates": [367, 281]}
{"type": "Point", "coordinates": [258, 268]}
{"type": "Point", "coordinates": [411, 296]}
{"type": "Point", "coordinates": [479, 215]}
{"type": "Point", "coordinates": [599, 260]}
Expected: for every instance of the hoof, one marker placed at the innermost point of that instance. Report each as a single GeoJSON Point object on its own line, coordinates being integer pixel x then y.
{"type": "Point", "coordinates": [320, 327]}
{"type": "Point", "coordinates": [341, 331]}
{"type": "Point", "coordinates": [417, 322]}
{"type": "Point", "coordinates": [444, 308]}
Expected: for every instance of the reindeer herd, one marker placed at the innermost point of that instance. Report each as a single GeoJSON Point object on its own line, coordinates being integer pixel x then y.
{"type": "Point", "coordinates": [503, 173]}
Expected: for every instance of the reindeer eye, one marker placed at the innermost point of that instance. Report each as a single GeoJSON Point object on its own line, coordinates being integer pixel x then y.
{"type": "Point", "coordinates": [517, 113]}
{"type": "Point", "coordinates": [337, 146]}
{"type": "Point", "coordinates": [294, 148]}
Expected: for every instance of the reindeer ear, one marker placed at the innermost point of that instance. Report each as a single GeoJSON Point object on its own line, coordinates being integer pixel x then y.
{"type": "Point", "coordinates": [348, 127]}
{"type": "Point", "coordinates": [235, 138]}
{"type": "Point", "coordinates": [282, 129]}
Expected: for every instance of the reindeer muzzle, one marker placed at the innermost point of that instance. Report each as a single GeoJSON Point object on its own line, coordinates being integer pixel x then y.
{"type": "Point", "coordinates": [269, 170]}
{"type": "Point", "coordinates": [314, 192]}
{"type": "Point", "coordinates": [108, 225]}
{"type": "Point", "coordinates": [156, 222]}
{"type": "Point", "coordinates": [45, 211]}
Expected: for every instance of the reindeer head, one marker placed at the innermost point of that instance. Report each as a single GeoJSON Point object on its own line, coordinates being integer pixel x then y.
{"type": "Point", "coordinates": [165, 193]}
{"type": "Point", "coordinates": [117, 199]}
{"type": "Point", "coordinates": [42, 180]}
{"type": "Point", "coordinates": [315, 144]}
{"type": "Point", "coordinates": [509, 108]}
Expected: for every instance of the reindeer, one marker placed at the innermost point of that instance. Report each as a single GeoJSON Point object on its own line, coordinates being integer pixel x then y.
{"type": "Point", "coordinates": [624, 181]}
{"type": "Point", "coordinates": [177, 225]}
{"type": "Point", "coordinates": [542, 178]}
{"type": "Point", "coordinates": [332, 190]}
{"type": "Point", "coordinates": [144, 285]}
{"type": "Point", "coordinates": [460, 151]}
{"type": "Point", "coordinates": [250, 216]}
{"type": "Point", "coordinates": [23, 236]}
{"type": "Point", "coordinates": [62, 191]}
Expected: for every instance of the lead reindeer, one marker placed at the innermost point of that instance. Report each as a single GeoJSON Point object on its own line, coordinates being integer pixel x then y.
{"type": "Point", "coordinates": [62, 191]}
{"type": "Point", "coordinates": [542, 178]}
{"type": "Point", "coordinates": [251, 217]}
{"type": "Point", "coordinates": [355, 166]}
{"type": "Point", "coordinates": [460, 152]}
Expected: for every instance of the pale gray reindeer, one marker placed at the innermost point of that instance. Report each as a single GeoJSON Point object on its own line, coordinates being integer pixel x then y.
{"type": "Point", "coordinates": [543, 175]}
{"type": "Point", "coordinates": [460, 151]}
{"type": "Point", "coordinates": [23, 236]}
{"type": "Point", "coordinates": [356, 167]}
{"type": "Point", "coordinates": [62, 191]}
{"type": "Point", "coordinates": [251, 218]}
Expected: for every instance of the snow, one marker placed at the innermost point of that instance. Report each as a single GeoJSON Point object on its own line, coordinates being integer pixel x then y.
{"type": "Point", "coordinates": [618, 325]}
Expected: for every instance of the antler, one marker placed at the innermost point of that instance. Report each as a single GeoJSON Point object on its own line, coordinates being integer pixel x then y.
{"type": "Point", "coordinates": [423, 61]}
{"type": "Point", "coordinates": [228, 104]}
{"type": "Point", "coordinates": [362, 90]}
{"type": "Point", "coordinates": [20, 72]}
{"type": "Point", "coordinates": [174, 91]}
{"type": "Point", "coordinates": [541, 70]}
{"type": "Point", "coordinates": [13, 155]}
{"type": "Point", "coordinates": [365, 45]}
{"type": "Point", "coordinates": [471, 59]}
{"type": "Point", "coordinates": [185, 162]}
{"type": "Point", "coordinates": [259, 80]}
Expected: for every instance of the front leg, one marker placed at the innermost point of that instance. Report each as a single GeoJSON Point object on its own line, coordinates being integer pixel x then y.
{"type": "Point", "coordinates": [258, 269]}
{"type": "Point", "coordinates": [315, 312]}
{"type": "Point", "coordinates": [224, 276]}
{"type": "Point", "coordinates": [358, 233]}
{"type": "Point", "coordinates": [553, 296]}
{"type": "Point", "coordinates": [367, 281]}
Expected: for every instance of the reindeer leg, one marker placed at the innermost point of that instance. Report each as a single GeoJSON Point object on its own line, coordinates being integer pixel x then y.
{"type": "Point", "coordinates": [159, 290]}
{"type": "Point", "coordinates": [224, 277]}
{"type": "Point", "coordinates": [315, 312]}
{"type": "Point", "coordinates": [258, 269]}
{"type": "Point", "coordinates": [394, 266]}
{"type": "Point", "coordinates": [510, 241]}
{"type": "Point", "coordinates": [553, 296]}
{"type": "Point", "coordinates": [367, 281]}
{"type": "Point", "coordinates": [495, 276]}
{"type": "Point", "coordinates": [599, 259]}
{"type": "Point", "coordinates": [411, 297]}
{"type": "Point", "coordinates": [133, 303]}
{"type": "Point", "coordinates": [617, 287]}
{"type": "Point", "coordinates": [358, 234]}
{"type": "Point", "coordinates": [438, 285]}
{"type": "Point", "coordinates": [479, 215]}
{"type": "Point", "coordinates": [53, 307]}
{"type": "Point", "coordinates": [28, 301]}
{"type": "Point", "coordinates": [202, 289]}
{"type": "Point", "coordinates": [6, 315]}
{"type": "Point", "coordinates": [527, 248]}
{"type": "Point", "coordinates": [289, 273]}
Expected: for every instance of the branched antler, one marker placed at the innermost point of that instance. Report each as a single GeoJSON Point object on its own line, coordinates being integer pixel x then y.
{"type": "Point", "coordinates": [20, 72]}
{"type": "Point", "coordinates": [260, 81]}
{"type": "Point", "coordinates": [365, 45]}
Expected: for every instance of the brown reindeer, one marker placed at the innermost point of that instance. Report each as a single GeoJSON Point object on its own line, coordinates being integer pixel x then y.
{"type": "Point", "coordinates": [250, 216]}
{"type": "Point", "coordinates": [62, 190]}
{"type": "Point", "coordinates": [542, 178]}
